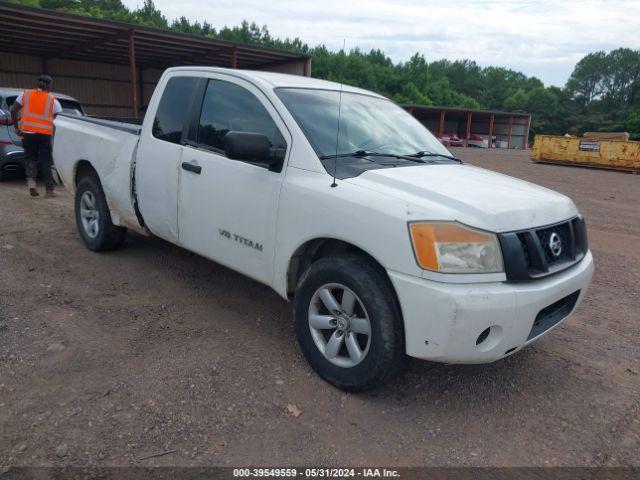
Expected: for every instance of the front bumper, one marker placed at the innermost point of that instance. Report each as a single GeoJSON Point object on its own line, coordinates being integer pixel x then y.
{"type": "Point", "coordinates": [443, 321]}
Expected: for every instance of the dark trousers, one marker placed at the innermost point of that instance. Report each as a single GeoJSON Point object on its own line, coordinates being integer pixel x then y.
{"type": "Point", "coordinates": [37, 152]}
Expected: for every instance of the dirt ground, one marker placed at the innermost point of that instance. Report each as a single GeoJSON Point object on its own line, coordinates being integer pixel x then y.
{"type": "Point", "coordinates": [108, 358]}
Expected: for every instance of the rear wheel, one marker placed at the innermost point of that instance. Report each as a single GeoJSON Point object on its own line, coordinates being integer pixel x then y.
{"type": "Point", "coordinates": [93, 218]}
{"type": "Point", "coordinates": [9, 170]}
{"type": "Point", "coordinates": [348, 323]}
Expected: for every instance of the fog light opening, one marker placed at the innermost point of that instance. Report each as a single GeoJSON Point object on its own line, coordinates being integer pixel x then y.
{"type": "Point", "coordinates": [483, 336]}
{"type": "Point", "coordinates": [489, 338]}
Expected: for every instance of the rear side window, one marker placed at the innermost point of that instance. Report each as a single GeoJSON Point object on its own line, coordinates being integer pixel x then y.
{"type": "Point", "coordinates": [230, 107]}
{"type": "Point", "coordinates": [69, 106]}
{"type": "Point", "coordinates": [173, 109]}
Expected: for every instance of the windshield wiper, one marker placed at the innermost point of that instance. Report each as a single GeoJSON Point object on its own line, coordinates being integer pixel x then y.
{"type": "Point", "coordinates": [364, 153]}
{"type": "Point", "coordinates": [423, 154]}
{"type": "Point", "coordinates": [357, 153]}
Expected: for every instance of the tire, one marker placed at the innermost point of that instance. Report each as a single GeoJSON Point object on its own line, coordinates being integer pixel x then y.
{"type": "Point", "coordinates": [94, 225]}
{"type": "Point", "coordinates": [383, 351]}
{"type": "Point", "coordinates": [6, 175]}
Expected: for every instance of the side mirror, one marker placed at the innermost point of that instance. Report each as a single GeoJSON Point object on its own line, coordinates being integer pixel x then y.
{"type": "Point", "coordinates": [250, 146]}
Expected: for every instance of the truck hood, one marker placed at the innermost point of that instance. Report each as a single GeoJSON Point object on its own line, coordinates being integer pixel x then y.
{"type": "Point", "coordinates": [471, 195]}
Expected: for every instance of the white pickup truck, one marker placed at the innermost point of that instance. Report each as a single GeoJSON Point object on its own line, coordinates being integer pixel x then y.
{"type": "Point", "coordinates": [343, 203]}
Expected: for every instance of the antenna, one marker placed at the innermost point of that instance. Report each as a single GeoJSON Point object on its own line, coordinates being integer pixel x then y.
{"type": "Point", "coordinates": [335, 159]}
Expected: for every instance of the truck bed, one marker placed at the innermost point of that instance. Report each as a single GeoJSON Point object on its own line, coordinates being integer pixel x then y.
{"type": "Point", "coordinates": [126, 124]}
{"type": "Point", "coordinates": [109, 147]}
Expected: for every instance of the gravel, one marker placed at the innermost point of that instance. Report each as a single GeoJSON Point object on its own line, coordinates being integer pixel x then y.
{"type": "Point", "coordinates": [178, 361]}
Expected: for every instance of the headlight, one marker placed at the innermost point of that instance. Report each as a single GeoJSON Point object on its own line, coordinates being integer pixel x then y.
{"type": "Point", "coordinates": [453, 248]}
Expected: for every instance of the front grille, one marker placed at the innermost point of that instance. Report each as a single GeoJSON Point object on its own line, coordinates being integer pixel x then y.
{"type": "Point", "coordinates": [539, 252]}
{"type": "Point", "coordinates": [563, 232]}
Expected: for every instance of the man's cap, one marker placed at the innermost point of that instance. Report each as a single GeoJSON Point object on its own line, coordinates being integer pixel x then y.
{"type": "Point", "coordinates": [45, 79]}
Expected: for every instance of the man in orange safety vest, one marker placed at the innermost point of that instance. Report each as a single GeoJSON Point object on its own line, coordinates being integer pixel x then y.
{"type": "Point", "coordinates": [33, 113]}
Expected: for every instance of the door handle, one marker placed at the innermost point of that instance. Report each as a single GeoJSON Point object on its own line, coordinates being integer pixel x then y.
{"type": "Point", "coordinates": [192, 167]}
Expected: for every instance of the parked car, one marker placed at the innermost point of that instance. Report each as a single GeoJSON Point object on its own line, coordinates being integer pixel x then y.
{"type": "Point", "coordinates": [386, 245]}
{"type": "Point", "coordinates": [480, 141]}
{"type": "Point", "coordinates": [11, 152]}
{"type": "Point", "coordinates": [450, 139]}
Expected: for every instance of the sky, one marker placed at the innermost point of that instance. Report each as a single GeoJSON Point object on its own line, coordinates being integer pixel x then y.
{"type": "Point", "coordinates": [543, 38]}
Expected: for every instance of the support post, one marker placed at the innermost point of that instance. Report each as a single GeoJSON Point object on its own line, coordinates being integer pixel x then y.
{"type": "Point", "coordinates": [526, 133]}
{"type": "Point", "coordinates": [441, 126]}
{"type": "Point", "coordinates": [234, 57]}
{"type": "Point", "coordinates": [133, 73]}
{"type": "Point", "coordinates": [141, 84]}
{"type": "Point", "coordinates": [468, 136]}
{"type": "Point", "coordinates": [491, 118]}
{"type": "Point", "coordinates": [306, 67]}
{"type": "Point", "coordinates": [510, 131]}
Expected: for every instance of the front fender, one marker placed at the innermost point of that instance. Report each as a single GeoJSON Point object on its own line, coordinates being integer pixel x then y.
{"type": "Point", "coordinates": [310, 208]}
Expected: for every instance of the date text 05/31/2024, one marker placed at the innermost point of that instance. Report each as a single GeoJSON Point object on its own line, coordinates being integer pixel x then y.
{"type": "Point", "coordinates": [316, 472]}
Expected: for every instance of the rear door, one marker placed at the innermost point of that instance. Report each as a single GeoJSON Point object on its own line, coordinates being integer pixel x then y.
{"type": "Point", "coordinates": [159, 154]}
{"type": "Point", "coordinates": [227, 209]}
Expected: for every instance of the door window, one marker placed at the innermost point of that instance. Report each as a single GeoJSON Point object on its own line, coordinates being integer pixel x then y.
{"type": "Point", "coordinates": [229, 107]}
{"type": "Point", "coordinates": [173, 109]}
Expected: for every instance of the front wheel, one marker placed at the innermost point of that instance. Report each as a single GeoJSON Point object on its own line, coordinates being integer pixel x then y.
{"type": "Point", "coordinates": [93, 218]}
{"type": "Point", "coordinates": [348, 323]}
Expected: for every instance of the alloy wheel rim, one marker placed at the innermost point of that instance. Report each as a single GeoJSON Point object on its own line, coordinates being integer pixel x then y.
{"type": "Point", "coordinates": [89, 214]}
{"type": "Point", "coordinates": [339, 325]}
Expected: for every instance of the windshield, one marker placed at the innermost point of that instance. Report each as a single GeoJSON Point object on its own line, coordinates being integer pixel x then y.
{"type": "Point", "coordinates": [367, 123]}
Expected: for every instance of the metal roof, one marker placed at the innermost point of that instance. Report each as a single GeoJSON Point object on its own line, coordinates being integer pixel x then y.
{"type": "Point", "coordinates": [54, 34]}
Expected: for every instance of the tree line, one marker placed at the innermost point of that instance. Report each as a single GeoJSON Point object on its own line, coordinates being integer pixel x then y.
{"type": "Point", "coordinates": [602, 93]}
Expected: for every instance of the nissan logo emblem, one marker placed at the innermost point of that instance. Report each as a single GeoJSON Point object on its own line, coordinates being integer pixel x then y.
{"type": "Point", "coordinates": [555, 244]}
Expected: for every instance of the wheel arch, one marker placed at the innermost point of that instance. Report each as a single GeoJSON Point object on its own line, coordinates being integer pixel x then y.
{"type": "Point", "coordinates": [83, 168]}
{"type": "Point", "coordinates": [314, 249]}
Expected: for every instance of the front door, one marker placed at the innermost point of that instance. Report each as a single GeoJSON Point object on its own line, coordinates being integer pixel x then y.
{"type": "Point", "coordinates": [227, 209]}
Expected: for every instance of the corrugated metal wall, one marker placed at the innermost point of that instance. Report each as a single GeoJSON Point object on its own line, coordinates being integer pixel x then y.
{"type": "Point", "coordinates": [294, 68]}
{"type": "Point", "coordinates": [102, 88]}
{"type": "Point", "coordinates": [16, 69]}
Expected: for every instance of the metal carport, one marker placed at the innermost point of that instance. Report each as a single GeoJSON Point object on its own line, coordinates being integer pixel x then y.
{"type": "Point", "coordinates": [510, 129]}
{"type": "Point", "coordinates": [112, 66]}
